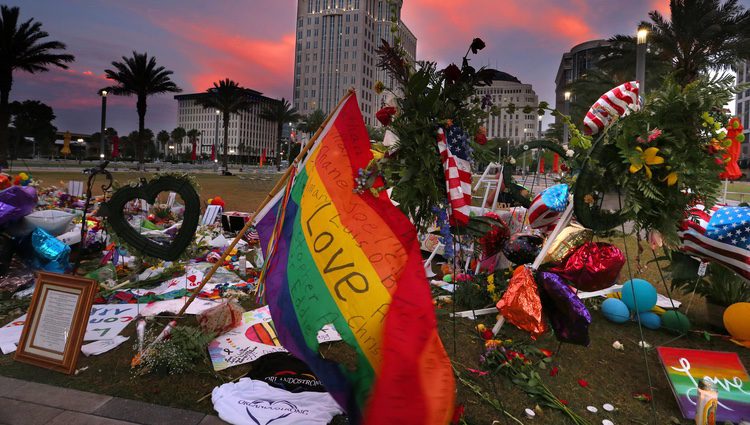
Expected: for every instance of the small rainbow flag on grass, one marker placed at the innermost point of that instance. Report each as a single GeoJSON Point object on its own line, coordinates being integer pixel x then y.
{"type": "Point", "coordinates": [352, 260]}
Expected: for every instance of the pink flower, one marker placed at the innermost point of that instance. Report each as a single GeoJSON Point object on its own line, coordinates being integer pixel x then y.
{"type": "Point", "coordinates": [477, 372]}
{"type": "Point", "coordinates": [640, 140]}
{"type": "Point", "coordinates": [655, 133]}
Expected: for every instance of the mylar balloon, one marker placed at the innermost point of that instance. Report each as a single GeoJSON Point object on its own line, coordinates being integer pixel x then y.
{"type": "Point", "coordinates": [569, 317]}
{"type": "Point", "coordinates": [593, 266]}
{"type": "Point", "coordinates": [521, 305]}
{"type": "Point", "coordinates": [522, 248]}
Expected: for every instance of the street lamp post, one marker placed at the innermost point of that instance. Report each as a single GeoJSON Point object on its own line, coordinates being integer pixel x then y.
{"type": "Point", "coordinates": [216, 138]}
{"type": "Point", "coordinates": [567, 112]}
{"type": "Point", "coordinates": [640, 60]}
{"type": "Point", "coordinates": [103, 93]}
{"type": "Point", "coordinates": [540, 127]}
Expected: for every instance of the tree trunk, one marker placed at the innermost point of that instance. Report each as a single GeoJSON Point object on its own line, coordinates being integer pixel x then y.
{"type": "Point", "coordinates": [224, 161]}
{"type": "Point", "coordinates": [278, 146]}
{"type": "Point", "coordinates": [141, 108]}
{"type": "Point", "coordinates": [5, 85]}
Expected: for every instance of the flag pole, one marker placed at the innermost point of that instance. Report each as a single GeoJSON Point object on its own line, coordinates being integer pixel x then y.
{"type": "Point", "coordinates": [279, 184]}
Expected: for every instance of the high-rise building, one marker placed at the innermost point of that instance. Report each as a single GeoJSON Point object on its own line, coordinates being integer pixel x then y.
{"type": "Point", "coordinates": [248, 134]}
{"type": "Point", "coordinates": [742, 109]}
{"type": "Point", "coordinates": [336, 50]}
{"type": "Point", "coordinates": [574, 65]}
{"type": "Point", "coordinates": [518, 126]}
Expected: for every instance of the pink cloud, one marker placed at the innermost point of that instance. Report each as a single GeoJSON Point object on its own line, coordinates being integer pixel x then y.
{"type": "Point", "coordinates": [429, 19]}
{"type": "Point", "coordinates": [257, 63]}
{"type": "Point", "coordinates": [662, 6]}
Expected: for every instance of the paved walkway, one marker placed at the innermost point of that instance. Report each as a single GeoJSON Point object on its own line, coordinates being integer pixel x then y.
{"type": "Point", "coordinates": [29, 403]}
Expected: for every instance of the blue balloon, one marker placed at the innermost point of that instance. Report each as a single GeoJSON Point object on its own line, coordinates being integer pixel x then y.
{"type": "Point", "coordinates": [615, 310]}
{"type": "Point", "coordinates": [650, 320]}
{"type": "Point", "coordinates": [640, 293]}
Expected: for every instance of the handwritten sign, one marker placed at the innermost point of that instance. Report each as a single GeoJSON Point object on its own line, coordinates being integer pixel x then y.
{"type": "Point", "coordinates": [256, 337]}
{"type": "Point", "coordinates": [686, 368]}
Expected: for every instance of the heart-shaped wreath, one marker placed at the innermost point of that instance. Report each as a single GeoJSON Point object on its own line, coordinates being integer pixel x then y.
{"type": "Point", "coordinates": [148, 191]}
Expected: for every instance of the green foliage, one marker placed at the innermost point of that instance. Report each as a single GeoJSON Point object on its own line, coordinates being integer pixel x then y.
{"type": "Point", "coordinates": [25, 47]}
{"type": "Point", "coordinates": [185, 351]}
{"type": "Point", "coordinates": [720, 285]}
{"type": "Point", "coordinates": [430, 98]}
{"type": "Point", "coordinates": [32, 118]}
{"type": "Point", "coordinates": [624, 161]}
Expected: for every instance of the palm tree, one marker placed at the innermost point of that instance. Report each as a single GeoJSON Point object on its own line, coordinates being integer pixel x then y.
{"type": "Point", "coordinates": [192, 135]}
{"type": "Point", "coordinates": [140, 76]}
{"type": "Point", "coordinates": [177, 135]}
{"type": "Point", "coordinates": [22, 47]}
{"type": "Point", "coordinates": [313, 121]}
{"type": "Point", "coordinates": [280, 111]}
{"type": "Point", "coordinates": [227, 97]}
{"type": "Point", "coordinates": [163, 138]}
{"type": "Point", "coordinates": [702, 36]}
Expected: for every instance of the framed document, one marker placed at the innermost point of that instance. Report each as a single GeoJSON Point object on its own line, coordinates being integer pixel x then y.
{"type": "Point", "coordinates": [56, 321]}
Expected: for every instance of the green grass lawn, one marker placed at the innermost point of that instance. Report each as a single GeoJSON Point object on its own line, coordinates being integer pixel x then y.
{"type": "Point", "coordinates": [240, 192]}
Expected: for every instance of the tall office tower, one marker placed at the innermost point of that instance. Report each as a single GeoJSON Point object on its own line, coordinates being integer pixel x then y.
{"type": "Point", "coordinates": [573, 65]}
{"type": "Point", "coordinates": [336, 50]}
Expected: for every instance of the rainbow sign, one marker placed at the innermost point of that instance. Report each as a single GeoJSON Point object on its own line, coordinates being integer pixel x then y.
{"type": "Point", "coordinates": [685, 368]}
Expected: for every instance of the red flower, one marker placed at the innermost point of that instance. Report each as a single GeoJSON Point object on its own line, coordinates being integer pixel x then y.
{"type": "Point", "coordinates": [487, 334]}
{"type": "Point", "coordinates": [645, 397]}
{"type": "Point", "coordinates": [563, 401]}
{"type": "Point", "coordinates": [452, 73]}
{"type": "Point", "coordinates": [547, 353]}
{"type": "Point", "coordinates": [554, 371]}
{"type": "Point", "coordinates": [583, 383]}
{"type": "Point", "coordinates": [457, 414]}
{"type": "Point", "coordinates": [385, 115]}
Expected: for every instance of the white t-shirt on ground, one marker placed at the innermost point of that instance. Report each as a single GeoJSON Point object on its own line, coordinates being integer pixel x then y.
{"type": "Point", "coordinates": [256, 403]}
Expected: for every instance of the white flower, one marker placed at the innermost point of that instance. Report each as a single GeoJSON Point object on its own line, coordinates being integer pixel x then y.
{"type": "Point", "coordinates": [566, 147]}
{"type": "Point", "coordinates": [512, 160]}
{"type": "Point", "coordinates": [617, 345]}
{"type": "Point", "coordinates": [569, 153]}
{"type": "Point", "coordinates": [525, 147]}
{"type": "Point", "coordinates": [644, 344]}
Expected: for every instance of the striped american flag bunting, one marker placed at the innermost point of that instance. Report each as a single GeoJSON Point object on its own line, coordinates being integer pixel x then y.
{"type": "Point", "coordinates": [720, 234]}
{"type": "Point", "coordinates": [455, 158]}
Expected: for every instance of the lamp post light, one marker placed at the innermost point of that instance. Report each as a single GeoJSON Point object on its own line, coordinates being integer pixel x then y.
{"type": "Point", "coordinates": [640, 60]}
{"type": "Point", "coordinates": [171, 151]}
{"type": "Point", "coordinates": [216, 138]}
{"type": "Point", "coordinates": [539, 132]}
{"type": "Point", "coordinates": [567, 112]}
{"type": "Point", "coordinates": [103, 93]}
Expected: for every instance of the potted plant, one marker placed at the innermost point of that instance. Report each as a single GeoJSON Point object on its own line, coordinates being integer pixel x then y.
{"type": "Point", "coordinates": [720, 286]}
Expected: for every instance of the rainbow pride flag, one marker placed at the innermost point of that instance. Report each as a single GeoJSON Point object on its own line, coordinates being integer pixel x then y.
{"type": "Point", "coordinates": [352, 260]}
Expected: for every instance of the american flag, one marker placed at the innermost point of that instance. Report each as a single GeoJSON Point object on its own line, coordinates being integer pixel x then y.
{"type": "Point", "coordinates": [455, 157]}
{"type": "Point", "coordinates": [720, 234]}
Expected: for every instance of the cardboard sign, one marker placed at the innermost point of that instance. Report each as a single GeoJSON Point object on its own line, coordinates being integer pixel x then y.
{"type": "Point", "coordinates": [686, 368]}
{"type": "Point", "coordinates": [256, 337]}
